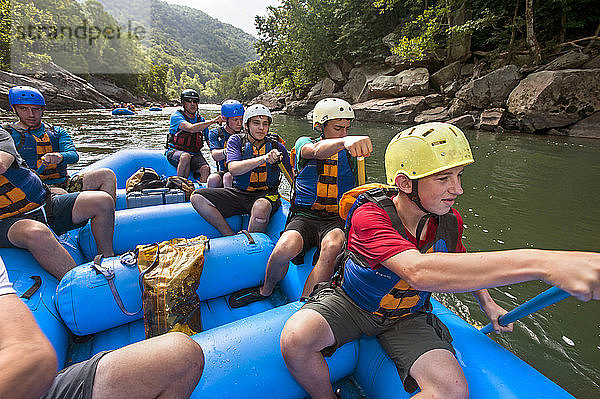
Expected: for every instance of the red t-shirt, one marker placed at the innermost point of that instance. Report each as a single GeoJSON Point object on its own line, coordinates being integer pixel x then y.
{"type": "Point", "coordinates": [373, 236]}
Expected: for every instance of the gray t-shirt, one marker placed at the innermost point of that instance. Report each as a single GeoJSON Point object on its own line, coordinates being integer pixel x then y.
{"type": "Point", "coordinates": [7, 144]}
{"type": "Point", "coordinates": [5, 285]}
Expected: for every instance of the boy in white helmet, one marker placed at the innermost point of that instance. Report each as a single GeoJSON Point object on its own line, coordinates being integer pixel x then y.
{"type": "Point", "coordinates": [398, 241]}
{"type": "Point", "coordinates": [326, 169]}
{"type": "Point", "coordinates": [252, 159]}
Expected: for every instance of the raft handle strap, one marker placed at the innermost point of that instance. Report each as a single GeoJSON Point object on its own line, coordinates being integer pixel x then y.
{"type": "Point", "coordinates": [250, 239]}
{"type": "Point", "coordinates": [109, 274]}
{"type": "Point", "coordinates": [33, 289]}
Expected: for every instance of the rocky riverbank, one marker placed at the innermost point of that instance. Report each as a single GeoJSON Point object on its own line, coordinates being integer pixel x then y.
{"type": "Point", "coordinates": [561, 97]}
{"type": "Point", "coordinates": [63, 90]}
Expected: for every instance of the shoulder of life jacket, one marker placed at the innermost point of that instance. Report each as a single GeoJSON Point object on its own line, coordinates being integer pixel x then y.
{"type": "Point", "coordinates": [350, 197]}
{"type": "Point", "coordinates": [33, 148]}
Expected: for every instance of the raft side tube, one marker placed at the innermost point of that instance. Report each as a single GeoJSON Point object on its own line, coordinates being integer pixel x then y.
{"type": "Point", "coordinates": [126, 162]}
{"type": "Point", "coordinates": [24, 272]}
{"type": "Point", "coordinates": [152, 224]}
{"type": "Point", "coordinates": [87, 305]}
{"type": "Point", "coordinates": [122, 111]}
{"type": "Point", "coordinates": [492, 372]}
{"type": "Point", "coordinates": [243, 359]}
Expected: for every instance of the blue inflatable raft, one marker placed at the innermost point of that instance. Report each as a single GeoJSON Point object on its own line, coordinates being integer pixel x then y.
{"type": "Point", "coordinates": [241, 346]}
{"type": "Point", "coordinates": [122, 111]}
{"type": "Point", "coordinates": [155, 109]}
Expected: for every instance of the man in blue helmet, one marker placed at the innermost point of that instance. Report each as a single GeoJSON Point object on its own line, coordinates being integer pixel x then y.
{"type": "Point", "coordinates": [187, 133]}
{"type": "Point", "coordinates": [49, 149]}
{"type": "Point", "coordinates": [232, 112]}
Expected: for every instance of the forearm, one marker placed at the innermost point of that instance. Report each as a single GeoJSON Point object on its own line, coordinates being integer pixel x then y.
{"type": "Point", "coordinates": [219, 154]}
{"type": "Point", "coordinates": [237, 168]}
{"type": "Point", "coordinates": [67, 148]}
{"type": "Point", "coordinates": [70, 157]}
{"type": "Point", "coordinates": [323, 149]}
{"type": "Point", "coordinates": [451, 272]}
{"type": "Point", "coordinates": [484, 298]}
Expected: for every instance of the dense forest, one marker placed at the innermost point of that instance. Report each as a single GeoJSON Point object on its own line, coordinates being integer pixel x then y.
{"type": "Point", "coordinates": [149, 47]}
{"type": "Point", "coordinates": [299, 36]}
{"type": "Point", "coordinates": [183, 47]}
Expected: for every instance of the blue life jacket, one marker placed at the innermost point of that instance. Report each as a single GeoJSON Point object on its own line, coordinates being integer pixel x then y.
{"type": "Point", "coordinates": [380, 291]}
{"type": "Point", "coordinates": [320, 183]}
{"type": "Point", "coordinates": [262, 178]}
{"type": "Point", "coordinates": [32, 149]}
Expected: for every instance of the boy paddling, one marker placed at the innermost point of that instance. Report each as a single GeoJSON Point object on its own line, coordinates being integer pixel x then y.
{"type": "Point", "coordinates": [398, 246]}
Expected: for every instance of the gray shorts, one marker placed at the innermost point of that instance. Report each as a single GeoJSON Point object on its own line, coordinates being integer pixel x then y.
{"type": "Point", "coordinates": [75, 381]}
{"type": "Point", "coordinates": [404, 339]}
{"type": "Point", "coordinates": [196, 163]}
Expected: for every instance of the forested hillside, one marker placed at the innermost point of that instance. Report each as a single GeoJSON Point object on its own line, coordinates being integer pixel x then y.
{"type": "Point", "coordinates": [149, 47]}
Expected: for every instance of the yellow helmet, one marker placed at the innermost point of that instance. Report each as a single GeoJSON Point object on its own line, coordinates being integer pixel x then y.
{"type": "Point", "coordinates": [426, 149]}
{"type": "Point", "coordinates": [331, 108]}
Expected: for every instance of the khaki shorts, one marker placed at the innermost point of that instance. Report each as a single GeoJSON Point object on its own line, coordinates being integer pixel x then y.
{"type": "Point", "coordinates": [404, 339]}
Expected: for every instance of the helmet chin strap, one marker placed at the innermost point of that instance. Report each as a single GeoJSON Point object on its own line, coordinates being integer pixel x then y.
{"type": "Point", "coordinates": [414, 197]}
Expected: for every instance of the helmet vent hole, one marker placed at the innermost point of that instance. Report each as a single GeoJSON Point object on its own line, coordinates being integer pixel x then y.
{"type": "Point", "coordinates": [428, 132]}
{"type": "Point", "coordinates": [452, 130]}
{"type": "Point", "coordinates": [439, 142]}
{"type": "Point", "coordinates": [411, 132]}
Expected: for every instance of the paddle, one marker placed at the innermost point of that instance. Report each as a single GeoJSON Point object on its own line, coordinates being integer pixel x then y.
{"type": "Point", "coordinates": [286, 173]}
{"type": "Point", "coordinates": [362, 175]}
{"type": "Point", "coordinates": [546, 298]}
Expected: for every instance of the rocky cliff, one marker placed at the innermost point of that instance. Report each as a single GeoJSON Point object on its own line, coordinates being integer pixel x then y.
{"type": "Point", "coordinates": [561, 97]}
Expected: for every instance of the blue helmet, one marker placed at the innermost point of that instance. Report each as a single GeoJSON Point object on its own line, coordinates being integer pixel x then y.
{"type": "Point", "coordinates": [25, 95]}
{"type": "Point", "coordinates": [231, 108]}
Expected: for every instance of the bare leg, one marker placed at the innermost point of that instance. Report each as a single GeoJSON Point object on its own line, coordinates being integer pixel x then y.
{"type": "Point", "coordinates": [100, 208]}
{"type": "Point", "coordinates": [38, 239]}
{"type": "Point", "coordinates": [183, 167]}
{"type": "Point", "coordinates": [211, 214]}
{"type": "Point", "coordinates": [168, 366]}
{"type": "Point", "coordinates": [303, 337]}
{"type": "Point", "coordinates": [214, 180]}
{"type": "Point", "coordinates": [330, 248]}
{"type": "Point", "coordinates": [288, 246]}
{"type": "Point", "coordinates": [102, 180]}
{"type": "Point", "coordinates": [228, 180]}
{"type": "Point", "coordinates": [259, 216]}
{"type": "Point", "coordinates": [204, 172]}
{"type": "Point", "coordinates": [439, 376]}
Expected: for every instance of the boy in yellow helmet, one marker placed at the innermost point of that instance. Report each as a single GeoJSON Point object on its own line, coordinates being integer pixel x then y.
{"type": "Point", "coordinates": [397, 254]}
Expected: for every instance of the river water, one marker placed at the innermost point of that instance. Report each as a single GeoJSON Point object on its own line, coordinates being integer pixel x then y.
{"type": "Point", "coordinates": [523, 191]}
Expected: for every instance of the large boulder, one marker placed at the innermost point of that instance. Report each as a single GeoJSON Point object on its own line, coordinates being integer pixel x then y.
{"type": "Point", "coordinates": [491, 119]}
{"type": "Point", "coordinates": [391, 110]}
{"type": "Point", "coordinates": [572, 60]}
{"type": "Point", "coordinates": [553, 99]}
{"type": "Point", "coordinates": [491, 89]}
{"type": "Point", "coordinates": [302, 107]}
{"type": "Point", "coordinates": [588, 127]}
{"type": "Point", "coordinates": [446, 75]}
{"type": "Point", "coordinates": [437, 114]}
{"type": "Point", "coordinates": [334, 71]}
{"type": "Point", "coordinates": [411, 82]}
{"type": "Point", "coordinates": [357, 88]}
{"type": "Point", "coordinates": [112, 91]}
{"type": "Point", "coordinates": [61, 89]}
{"type": "Point", "coordinates": [273, 99]}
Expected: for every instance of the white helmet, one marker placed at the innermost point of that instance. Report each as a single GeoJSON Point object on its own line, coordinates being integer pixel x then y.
{"type": "Point", "coordinates": [331, 108]}
{"type": "Point", "coordinates": [257, 110]}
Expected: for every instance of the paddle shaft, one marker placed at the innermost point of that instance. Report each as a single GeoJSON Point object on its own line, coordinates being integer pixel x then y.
{"type": "Point", "coordinates": [546, 298]}
{"type": "Point", "coordinates": [362, 175]}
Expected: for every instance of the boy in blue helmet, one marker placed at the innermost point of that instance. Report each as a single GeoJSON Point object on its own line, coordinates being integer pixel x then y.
{"type": "Point", "coordinates": [185, 140]}
{"type": "Point", "coordinates": [49, 149]}
{"type": "Point", "coordinates": [232, 112]}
